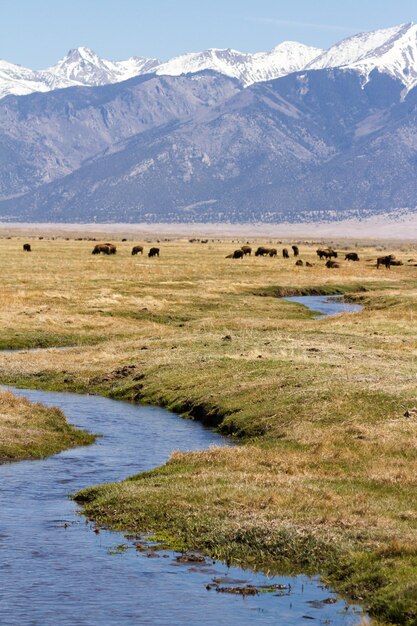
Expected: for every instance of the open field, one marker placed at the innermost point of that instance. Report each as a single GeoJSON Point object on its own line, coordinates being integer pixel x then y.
{"type": "Point", "coordinates": [33, 431]}
{"type": "Point", "coordinates": [325, 479]}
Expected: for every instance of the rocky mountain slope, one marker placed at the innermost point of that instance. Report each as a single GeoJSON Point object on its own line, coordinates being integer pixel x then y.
{"type": "Point", "coordinates": [336, 139]}
{"type": "Point", "coordinates": [316, 145]}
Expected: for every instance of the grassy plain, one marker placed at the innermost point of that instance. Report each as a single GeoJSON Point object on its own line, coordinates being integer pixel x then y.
{"type": "Point", "coordinates": [325, 477]}
{"type": "Point", "coordinates": [34, 431]}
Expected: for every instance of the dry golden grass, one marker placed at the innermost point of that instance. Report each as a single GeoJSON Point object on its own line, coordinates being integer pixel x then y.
{"type": "Point", "coordinates": [330, 461]}
{"type": "Point", "coordinates": [29, 430]}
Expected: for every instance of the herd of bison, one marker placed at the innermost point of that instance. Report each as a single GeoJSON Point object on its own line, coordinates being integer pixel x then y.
{"type": "Point", "coordinates": [323, 253]}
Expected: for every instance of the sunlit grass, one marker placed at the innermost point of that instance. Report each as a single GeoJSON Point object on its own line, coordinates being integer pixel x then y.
{"type": "Point", "coordinates": [327, 473]}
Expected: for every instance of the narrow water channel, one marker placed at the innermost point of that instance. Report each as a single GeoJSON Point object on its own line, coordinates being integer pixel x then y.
{"type": "Point", "coordinates": [54, 570]}
{"type": "Point", "coordinates": [326, 306]}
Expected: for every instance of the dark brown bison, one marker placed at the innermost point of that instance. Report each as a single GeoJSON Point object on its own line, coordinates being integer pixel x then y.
{"type": "Point", "coordinates": [385, 260]}
{"type": "Point", "coordinates": [111, 248]}
{"type": "Point", "coordinates": [26, 247]}
{"type": "Point", "coordinates": [246, 250]}
{"type": "Point", "coordinates": [237, 254]}
{"type": "Point", "coordinates": [104, 248]}
{"type": "Point", "coordinates": [352, 256]}
{"type": "Point", "coordinates": [327, 253]}
{"type": "Point", "coordinates": [285, 253]}
{"type": "Point", "coordinates": [153, 252]}
{"type": "Point", "coordinates": [262, 251]}
{"type": "Point", "coordinates": [137, 250]}
{"type": "Point", "coordinates": [273, 252]}
{"type": "Point", "coordinates": [309, 264]}
{"type": "Point", "coordinates": [295, 250]}
{"type": "Point", "coordinates": [332, 264]}
{"type": "Point", "coordinates": [299, 263]}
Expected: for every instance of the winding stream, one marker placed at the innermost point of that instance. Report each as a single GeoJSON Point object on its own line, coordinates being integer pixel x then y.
{"type": "Point", "coordinates": [55, 570]}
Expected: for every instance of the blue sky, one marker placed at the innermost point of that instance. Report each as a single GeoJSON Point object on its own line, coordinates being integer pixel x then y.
{"type": "Point", "coordinates": [35, 33]}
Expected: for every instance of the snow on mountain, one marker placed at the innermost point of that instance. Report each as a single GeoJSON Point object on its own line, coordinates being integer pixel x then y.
{"type": "Point", "coordinates": [391, 51]}
{"type": "Point", "coordinates": [286, 58]}
{"type": "Point", "coordinates": [20, 81]}
{"type": "Point", "coordinates": [82, 66]}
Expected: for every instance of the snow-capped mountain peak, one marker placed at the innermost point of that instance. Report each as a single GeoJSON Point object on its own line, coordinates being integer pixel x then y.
{"type": "Point", "coordinates": [249, 68]}
{"type": "Point", "coordinates": [391, 51]}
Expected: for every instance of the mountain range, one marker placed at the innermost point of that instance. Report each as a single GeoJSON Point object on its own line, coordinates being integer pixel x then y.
{"type": "Point", "coordinates": [294, 134]}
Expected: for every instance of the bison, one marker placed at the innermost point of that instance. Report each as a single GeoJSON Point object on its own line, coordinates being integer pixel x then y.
{"type": "Point", "coordinates": [262, 251]}
{"type": "Point", "coordinates": [26, 247]}
{"type": "Point", "coordinates": [385, 260]}
{"type": "Point", "coordinates": [104, 248]}
{"type": "Point", "coordinates": [295, 250]}
{"type": "Point", "coordinates": [299, 263]}
{"type": "Point", "coordinates": [352, 256]}
{"type": "Point", "coordinates": [237, 254]}
{"type": "Point", "coordinates": [332, 264]}
{"type": "Point", "coordinates": [285, 253]}
{"type": "Point", "coordinates": [137, 249]}
{"type": "Point", "coordinates": [153, 252]}
{"type": "Point", "coordinates": [246, 250]}
{"type": "Point", "coordinates": [327, 253]}
{"type": "Point", "coordinates": [273, 252]}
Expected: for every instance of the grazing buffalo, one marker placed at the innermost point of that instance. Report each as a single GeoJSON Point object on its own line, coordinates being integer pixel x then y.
{"type": "Point", "coordinates": [262, 251]}
{"type": "Point", "coordinates": [385, 260]}
{"type": "Point", "coordinates": [309, 264]}
{"type": "Point", "coordinates": [237, 254]}
{"type": "Point", "coordinates": [299, 263]}
{"type": "Point", "coordinates": [352, 256]}
{"type": "Point", "coordinates": [153, 252]}
{"type": "Point", "coordinates": [332, 264]}
{"type": "Point", "coordinates": [295, 250]}
{"type": "Point", "coordinates": [246, 250]}
{"type": "Point", "coordinates": [285, 253]}
{"type": "Point", "coordinates": [273, 252]}
{"type": "Point", "coordinates": [26, 247]}
{"type": "Point", "coordinates": [327, 253]}
{"type": "Point", "coordinates": [104, 248]}
{"type": "Point", "coordinates": [137, 250]}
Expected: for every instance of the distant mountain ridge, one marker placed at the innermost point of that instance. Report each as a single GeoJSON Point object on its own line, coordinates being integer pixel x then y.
{"type": "Point", "coordinates": [316, 145]}
{"type": "Point", "coordinates": [199, 139]}
{"type": "Point", "coordinates": [392, 51]}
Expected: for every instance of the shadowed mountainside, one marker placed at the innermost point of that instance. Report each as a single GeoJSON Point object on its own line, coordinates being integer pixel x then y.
{"type": "Point", "coordinates": [312, 145]}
